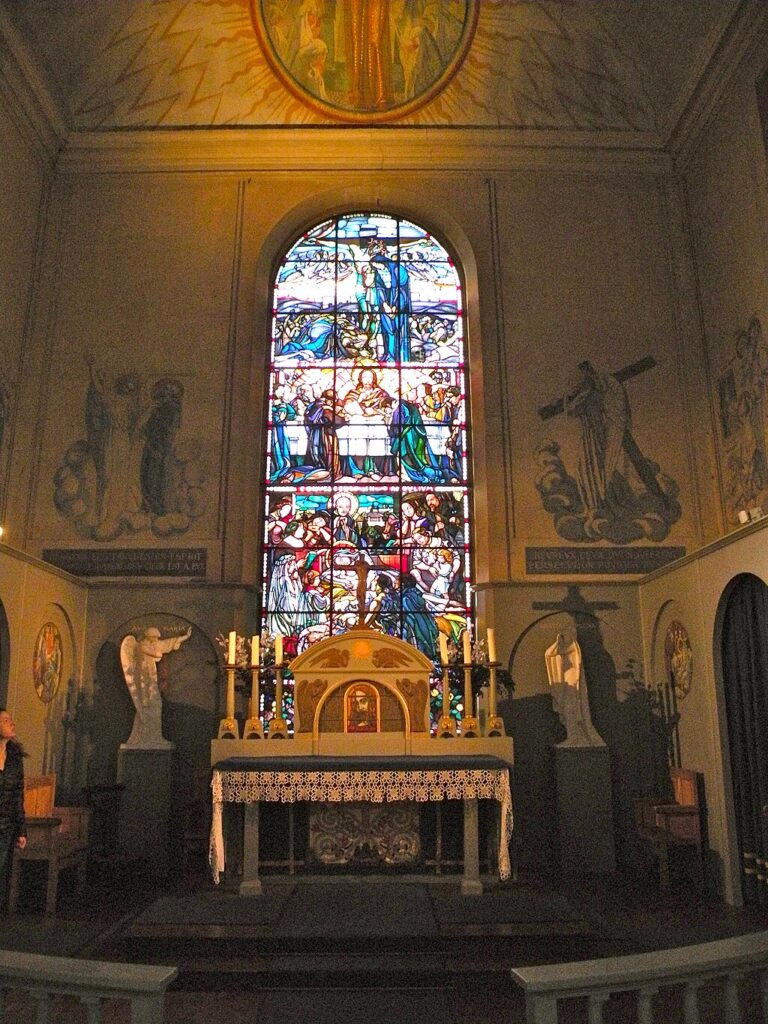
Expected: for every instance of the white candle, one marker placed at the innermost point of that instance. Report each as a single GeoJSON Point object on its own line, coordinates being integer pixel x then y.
{"type": "Point", "coordinates": [254, 651]}
{"type": "Point", "coordinates": [443, 641]}
{"type": "Point", "coordinates": [232, 647]}
{"type": "Point", "coordinates": [491, 646]}
{"type": "Point", "coordinates": [467, 647]}
{"type": "Point", "coordinates": [278, 649]}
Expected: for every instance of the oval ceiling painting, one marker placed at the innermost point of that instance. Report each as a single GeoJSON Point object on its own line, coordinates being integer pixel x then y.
{"type": "Point", "coordinates": [365, 60]}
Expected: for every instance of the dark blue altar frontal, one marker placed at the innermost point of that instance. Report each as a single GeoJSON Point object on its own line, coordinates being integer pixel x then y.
{"type": "Point", "coordinates": [313, 779]}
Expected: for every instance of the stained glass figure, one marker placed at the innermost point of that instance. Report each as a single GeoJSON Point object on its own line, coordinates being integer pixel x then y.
{"type": "Point", "coordinates": [367, 452]}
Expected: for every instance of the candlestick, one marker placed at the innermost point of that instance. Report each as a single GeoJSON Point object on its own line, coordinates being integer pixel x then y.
{"type": "Point", "coordinates": [253, 728]}
{"type": "Point", "coordinates": [278, 727]}
{"type": "Point", "coordinates": [231, 692]}
{"type": "Point", "coordinates": [232, 648]}
{"type": "Point", "coordinates": [491, 645]}
{"type": "Point", "coordinates": [446, 727]}
{"type": "Point", "coordinates": [278, 649]}
{"type": "Point", "coordinates": [254, 691]}
{"type": "Point", "coordinates": [254, 651]}
{"type": "Point", "coordinates": [228, 728]}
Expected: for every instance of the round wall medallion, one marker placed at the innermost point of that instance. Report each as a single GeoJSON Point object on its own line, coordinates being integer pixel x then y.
{"type": "Point", "coordinates": [679, 658]}
{"type": "Point", "coordinates": [365, 60]}
{"type": "Point", "coordinates": [47, 662]}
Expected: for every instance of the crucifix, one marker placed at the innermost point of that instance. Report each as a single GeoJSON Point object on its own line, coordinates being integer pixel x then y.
{"type": "Point", "coordinates": [362, 568]}
{"type": "Point", "coordinates": [574, 604]}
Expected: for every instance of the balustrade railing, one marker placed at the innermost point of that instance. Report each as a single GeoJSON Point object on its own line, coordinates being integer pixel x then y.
{"type": "Point", "coordinates": [684, 970]}
{"type": "Point", "coordinates": [92, 982]}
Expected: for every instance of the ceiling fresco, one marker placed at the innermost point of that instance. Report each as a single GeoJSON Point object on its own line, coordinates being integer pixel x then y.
{"type": "Point", "coordinates": [617, 65]}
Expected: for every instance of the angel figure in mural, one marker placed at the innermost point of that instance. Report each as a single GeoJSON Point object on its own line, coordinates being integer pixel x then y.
{"type": "Point", "coordinates": [139, 656]}
{"type": "Point", "coordinates": [570, 699]}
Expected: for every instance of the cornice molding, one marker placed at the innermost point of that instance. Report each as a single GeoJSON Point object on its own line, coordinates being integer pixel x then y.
{"type": "Point", "coordinates": [352, 149]}
{"type": "Point", "coordinates": [743, 24]}
{"type": "Point", "coordinates": [27, 95]}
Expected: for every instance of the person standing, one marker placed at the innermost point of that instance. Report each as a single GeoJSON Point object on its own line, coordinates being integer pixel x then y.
{"type": "Point", "coordinates": [13, 826]}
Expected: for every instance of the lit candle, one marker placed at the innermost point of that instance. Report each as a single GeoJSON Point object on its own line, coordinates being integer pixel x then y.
{"type": "Point", "coordinates": [232, 647]}
{"type": "Point", "coordinates": [491, 646]}
{"type": "Point", "coordinates": [467, 647]}
{"type": "Point", "coordinates": [254, 651]}
{"type": "Point", "coordinates": [278, 649]}
{"type": "Point", "coordinates": [443, 641]}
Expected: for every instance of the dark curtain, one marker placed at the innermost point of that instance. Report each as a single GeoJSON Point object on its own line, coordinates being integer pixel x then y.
{"type": "Point", "coordinates": [745, 672]}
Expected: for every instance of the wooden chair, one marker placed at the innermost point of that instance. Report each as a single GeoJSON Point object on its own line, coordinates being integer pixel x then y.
{"type": "Point", "coordinates": [57, 835]}
{"type": "Point", "coordinates": [665, 826]}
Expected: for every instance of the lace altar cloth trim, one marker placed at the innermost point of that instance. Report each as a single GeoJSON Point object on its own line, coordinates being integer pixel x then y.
{"type": "Point", "coordinates": [373, 786]}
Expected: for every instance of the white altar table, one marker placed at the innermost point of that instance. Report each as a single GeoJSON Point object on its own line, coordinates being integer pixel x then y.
{"type": "Point", "coordinates": [360, 779]}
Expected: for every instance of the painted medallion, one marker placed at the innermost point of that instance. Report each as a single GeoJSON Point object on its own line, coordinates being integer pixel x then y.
{"type": "Point", "coordinates": [47, 662]}
{"type": "Point", "coordinates": [679, 657]}
{"type": "Point", "coordinates": [365, 60]}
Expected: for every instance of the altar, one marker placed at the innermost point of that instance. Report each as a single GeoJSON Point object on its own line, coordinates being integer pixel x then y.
{"type": "Point", "coordinates": [361, 738]}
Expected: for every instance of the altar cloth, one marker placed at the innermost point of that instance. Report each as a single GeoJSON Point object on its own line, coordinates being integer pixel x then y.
{"type": "Point", "coordinates": [372, 779]}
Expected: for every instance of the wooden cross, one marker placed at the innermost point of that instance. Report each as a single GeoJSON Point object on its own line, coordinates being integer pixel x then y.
{"type": "Point", "coordinates": [546, 412]}
{"type": "Point", "coordinates": [362, 568]}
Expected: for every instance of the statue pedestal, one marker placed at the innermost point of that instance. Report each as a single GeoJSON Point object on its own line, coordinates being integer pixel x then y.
{"type": "Point", "coordinates": [145, 809]}
{"type": "Point", "coordinates": [584, 810]}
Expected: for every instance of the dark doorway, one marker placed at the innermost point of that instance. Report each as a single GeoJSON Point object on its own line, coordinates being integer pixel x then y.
{"type": "Point", "coordinates": [745, 679]}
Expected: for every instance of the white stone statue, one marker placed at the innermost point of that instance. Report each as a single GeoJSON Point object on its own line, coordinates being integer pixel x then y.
{"type": "Point", "coordinates": [569, 693]}
{"type": "Point", "coordinates": [139, 656]}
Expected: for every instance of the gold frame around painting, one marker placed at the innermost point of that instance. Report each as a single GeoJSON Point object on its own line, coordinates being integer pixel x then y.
{"type": "Point", "coordinates": [47, 662]}
{"type": "Point", "coordinates": [308, 77]}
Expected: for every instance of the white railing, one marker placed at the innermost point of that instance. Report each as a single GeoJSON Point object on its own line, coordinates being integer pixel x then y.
{"type": "Point", "coordinates": [90, 981]}
{"type": "Point", "coordinates": [726, 961]}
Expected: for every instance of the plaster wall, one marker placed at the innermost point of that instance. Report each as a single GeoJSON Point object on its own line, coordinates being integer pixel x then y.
{"type": "Point", "coordinates": [692, 592]}
{"type": "Point", "coordinates": [726, 186]}
{"type": "Point", "coordinates": [22, 194]}
{"type": "Point", "coordinates": [32, 594]}
{"type": "Point", "coordinates": [168, 276]}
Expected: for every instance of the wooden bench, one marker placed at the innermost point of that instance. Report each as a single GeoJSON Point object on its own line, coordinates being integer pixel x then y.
{"type": "Point", "coordinates": [664, 826]}
{"type": "Point", "coordinates": [57, 835]}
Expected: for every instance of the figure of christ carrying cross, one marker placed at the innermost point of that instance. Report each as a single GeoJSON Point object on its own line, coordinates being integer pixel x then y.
{"type": "Point", "coordinates": [608, 448]}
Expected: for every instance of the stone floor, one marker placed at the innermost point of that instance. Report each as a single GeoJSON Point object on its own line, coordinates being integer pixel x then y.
{"type": "Point", "coordinates": [367, 952]}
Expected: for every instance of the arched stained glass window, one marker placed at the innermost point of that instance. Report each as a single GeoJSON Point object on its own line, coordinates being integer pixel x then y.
{"type": "Point", "coordinates": [366, 478]}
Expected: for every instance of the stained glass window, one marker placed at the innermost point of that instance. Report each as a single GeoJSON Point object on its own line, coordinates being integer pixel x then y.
{"type": "Point", "coordinates": [367, 449]}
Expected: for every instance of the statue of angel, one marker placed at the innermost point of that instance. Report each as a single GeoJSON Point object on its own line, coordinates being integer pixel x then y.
{"type": "Point", "coordinates": [569, 693]}
{"type": "Point", "coordinates": [139, 656]}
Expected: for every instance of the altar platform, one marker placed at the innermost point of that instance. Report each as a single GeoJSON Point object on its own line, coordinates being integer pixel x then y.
{"type": "Point", "coordinates": [365, 950]}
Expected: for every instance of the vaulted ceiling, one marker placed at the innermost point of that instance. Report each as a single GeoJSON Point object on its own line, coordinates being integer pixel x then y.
{"type": "Point", "coordinates": [599, 65]}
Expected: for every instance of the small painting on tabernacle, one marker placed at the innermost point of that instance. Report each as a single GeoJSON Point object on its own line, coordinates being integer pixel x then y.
{"type": "Point", "coordinates": [361, 711]}
{"type": "Point", "coordinates": [365, 59]}
{"type": "Point", "coordinates": [47, 662]}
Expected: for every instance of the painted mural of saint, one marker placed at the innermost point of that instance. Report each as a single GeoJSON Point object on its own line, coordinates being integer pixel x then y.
{"type": "Point", "coordinates": [364, 58]}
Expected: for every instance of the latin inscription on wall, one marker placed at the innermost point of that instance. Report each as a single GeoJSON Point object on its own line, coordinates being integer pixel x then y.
{"type": "Point", "coordinates": [129, 561]}
{"type": "Point", "coordinates": [561, 561]}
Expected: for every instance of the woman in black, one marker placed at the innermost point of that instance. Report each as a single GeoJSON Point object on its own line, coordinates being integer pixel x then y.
{"type": "Point", "coordinates": [13, 827]}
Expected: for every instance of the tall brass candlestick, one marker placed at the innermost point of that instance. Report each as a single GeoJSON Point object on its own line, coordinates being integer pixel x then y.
{"type": "Point", "coordinates": [253, 729]}
{"type": "Point", "coordinates": [228, 729]}
{"type": "Point", "coordinates": [278, 727]}
{"type": "Point", "coordinates": [495, 726]}
{"type": "Point", "coordinates": [446, 727]}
